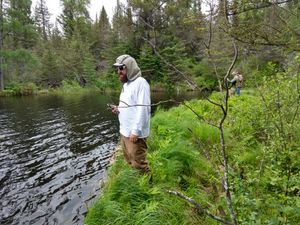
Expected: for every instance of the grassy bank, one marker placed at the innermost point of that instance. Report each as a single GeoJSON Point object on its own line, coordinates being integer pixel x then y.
{"type": "Point", "coordinates": [183, 154]}
{"type": "Point", "coordinates": [72, 87]}
{"type": "Point", "coordinates": [27, 89]}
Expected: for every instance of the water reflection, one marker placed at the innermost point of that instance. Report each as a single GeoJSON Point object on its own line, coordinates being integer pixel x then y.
{"type": "Point", "coordinates": [53, 153]}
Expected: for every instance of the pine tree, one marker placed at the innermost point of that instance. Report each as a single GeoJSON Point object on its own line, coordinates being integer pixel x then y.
{"type": "Point", "coordinates": [42, 19]}
{"type": "Point", "coordinates": [20, 36]}
{"type": "Point", "coordinates": [75, 17]}
{"type": "Point", "coordinates": [21, 28]}
{"type": "Point", "coordinates": [1, 44]}
{"type": "Point", "coordinates": [103, 31]}
{"type": "Point", "coordinates": [117, 20]}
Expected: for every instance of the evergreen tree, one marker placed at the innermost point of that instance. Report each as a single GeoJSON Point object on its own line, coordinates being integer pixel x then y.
{"type": "Point", "coordinates": [1, 44]}
{"type": "Point", "coordinates": [75, 17]}
{"type": "Point", "coordinates": [103, 20]}
{"type": "Point", "coordinates": [42, 19]}
{"type": "Point", "coordinates": [51, 73]}
{"type": "Point", "coordinates": [101, 34]}
{"type": "Point", "coordinates": [117, 20]}
{"type": "Point", "coordinates": [20, 25]}
{"type": "Point", "coordinates": [122, 37]}
{"type": "Point", "coordinates": [20, 37]}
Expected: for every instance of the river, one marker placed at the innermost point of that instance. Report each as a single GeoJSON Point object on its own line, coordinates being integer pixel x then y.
{"type": "Point", "coordinates": [54, 151]}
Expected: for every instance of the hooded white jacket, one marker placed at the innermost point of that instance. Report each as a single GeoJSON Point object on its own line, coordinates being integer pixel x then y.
{"type": "Point", "coordinates": [134, 108]}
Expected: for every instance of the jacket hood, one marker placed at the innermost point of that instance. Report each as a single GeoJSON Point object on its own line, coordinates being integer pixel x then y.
{"type": "Point", "coordinates": [133, 70]}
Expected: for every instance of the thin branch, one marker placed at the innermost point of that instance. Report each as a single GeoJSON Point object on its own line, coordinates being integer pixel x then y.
{"type": "Point", "coordinates": [198, 115]}
{"type": "Point", "coordinates": [226, 183]}
{"type": "Point", "coordinates": [286, 24]}
{"type": "Point", "coordinates": [297, 99]}
{"type": "Point", "coordinates": [145, 105]}
{"type": "Point", "coordinates": [225, 80]}
{"type": "Point", "coordinates": [252, 42]}
{"type": "Point", "coordinates": [207, 46]}
{"type": "Point", "coordinates": [214, 103]}
{"type": "Point", "coordinates": [198, 206]}
{"type": "Point", "coordinates": [257, 6]}
{"type": "Point", "coordinates": [189, 81]}
{"type": "Point", "coordinates": [266, 41]}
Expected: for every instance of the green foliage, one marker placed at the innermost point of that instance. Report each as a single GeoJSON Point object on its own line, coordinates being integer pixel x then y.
{"type": "Point", "coordinates": [19, 25]}
{"type": "Point", "coordinates": [176, 163]}
{"type": "Point", "coordinates": [255, 77]}
{"type": "Point", "coordinates": [75, 59]}
{"type": "Point", "coordinates": [49, 72]}
{"type": "Point", "coordinates": [89, 72]}
{"type": "Point", "coordinates": [131, 200]}
{"type": "Point", "coordinates": [19, 65]}
{"type": "Point", "coordinates": [151, 66]}
{"type": "Point", "coordinates": [20, 89]}
{"type": "Point", "coordinates": [100, 35]}
{"type": "Point", "coordinates": [264, 138]}
{"type": "Point", "coordinates": [42, 19]}
{"type": "Point", "coordinates": [108, 81]}
{"type": "Point", "coordinates": [261, 131]}
{"type": "Point", "coordinates": [74, 18]}
{"type": "Point", "coordinates": [205, 78]}
{"type": "Point", "coordinates": [178, 31]}
{"type": "Point", "coordinates": [262, 143]}
{"type": "Point", "coordinates": [70, 87]}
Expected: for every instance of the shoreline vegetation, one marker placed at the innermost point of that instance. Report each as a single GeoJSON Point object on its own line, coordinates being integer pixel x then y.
{"type": "Point", "coordinates": [30, 89]}
{"type": "Point", "coordinates": [179, 47]}
{"type": "Point", "coordinates": [183, 158]}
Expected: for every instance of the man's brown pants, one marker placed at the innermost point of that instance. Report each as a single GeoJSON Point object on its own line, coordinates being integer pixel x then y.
{"type": "Point", "coordinates": [135, 153]}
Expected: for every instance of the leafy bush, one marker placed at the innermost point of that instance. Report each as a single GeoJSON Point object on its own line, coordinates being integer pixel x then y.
{"type": "Point", "coordinates": [21, 89]}
{"type": "Point", "coordinates": [70, 87]}
{"type": "Point", "coordinates": [108, 81]}
{"type": "Point", "coordinates": [265, 149]}
{"type": "Point", "coordinates": [19, 66]}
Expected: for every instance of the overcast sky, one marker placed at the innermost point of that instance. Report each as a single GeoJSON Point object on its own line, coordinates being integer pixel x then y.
{"type": "Point", "coordinates": [95, 7]}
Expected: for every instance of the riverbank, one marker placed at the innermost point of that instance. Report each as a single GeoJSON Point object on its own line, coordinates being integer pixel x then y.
{"type": "Point", "coordinates": [62, 145]}
{"type": "Point", "coordinates": [184, 157]}
{"type": "Point", "coordinates": [29, 89]}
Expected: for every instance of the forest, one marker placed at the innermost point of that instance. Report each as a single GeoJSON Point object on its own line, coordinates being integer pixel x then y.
{"type": "Point", "coordinates": [221, 160]}
{"type": "Point", "coordinates": [185, 44]}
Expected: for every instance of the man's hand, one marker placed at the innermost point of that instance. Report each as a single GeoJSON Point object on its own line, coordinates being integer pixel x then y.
{"type": "Point", "coordinates": [114, 109]}
{"type": "Point", "coordinates": [133, 138]}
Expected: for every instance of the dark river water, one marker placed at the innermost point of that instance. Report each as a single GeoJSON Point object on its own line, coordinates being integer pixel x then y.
{"type": "Point", "coordinates": [54, 151]}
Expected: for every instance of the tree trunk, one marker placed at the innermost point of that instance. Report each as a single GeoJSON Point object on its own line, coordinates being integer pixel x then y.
{"type": "Point", "coordinates": [1, 46]}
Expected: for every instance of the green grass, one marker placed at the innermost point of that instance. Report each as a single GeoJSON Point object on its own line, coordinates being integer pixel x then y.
{"type": "Point", "coordinates": [184, 156]}
{"type": "Point", "coordinates": [128, 198]}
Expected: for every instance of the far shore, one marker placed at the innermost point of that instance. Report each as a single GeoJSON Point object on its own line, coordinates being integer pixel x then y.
{"type": "Point", "coordinates": [82, 90]}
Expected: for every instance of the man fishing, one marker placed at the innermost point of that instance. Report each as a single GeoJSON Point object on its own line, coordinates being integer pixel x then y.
{"type": "Point", "coordinates": [133, 112]}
